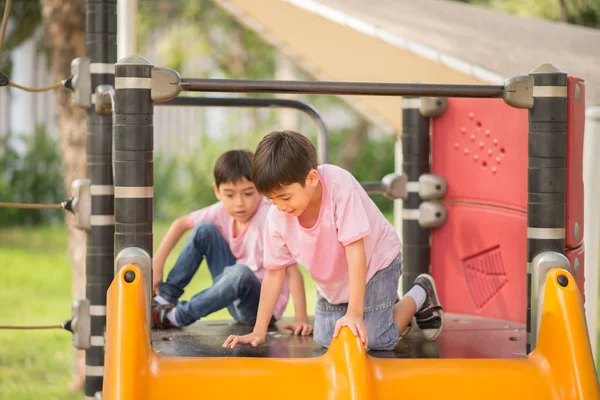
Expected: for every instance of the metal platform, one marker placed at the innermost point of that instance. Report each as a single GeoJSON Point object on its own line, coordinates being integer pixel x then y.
{"type": "Point", "coordinates": [463, 337]}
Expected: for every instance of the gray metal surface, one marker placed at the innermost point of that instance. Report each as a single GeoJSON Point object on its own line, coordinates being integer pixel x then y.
{"type": "Point", "coordinates": [463, 337]}
{"type": "Point", "coordinates": [342, 88]}
{"type": "Point", "coordinates": [322, 134]}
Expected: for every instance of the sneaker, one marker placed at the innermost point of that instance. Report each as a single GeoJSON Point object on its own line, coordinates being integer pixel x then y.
{"type": "Point", "coordinates": [430, 317]}
{"type": "Point", "coordinates": [159, 316]}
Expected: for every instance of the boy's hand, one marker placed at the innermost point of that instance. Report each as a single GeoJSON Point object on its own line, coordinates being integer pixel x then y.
{"type": "Point", "coordinates": [299, 327]}
{"type": "Point", "coordinates": [356, 324]}
{"type": "Point", "coordinates": [255, 339]}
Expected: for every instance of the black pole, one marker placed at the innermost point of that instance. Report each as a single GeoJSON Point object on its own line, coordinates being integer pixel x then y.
{"type": "Point", "coordinates": [341, 88]}
{"type": "Point", "coordinates": [323, 137]}
{"type": "Point", "coordinates": [133, 140]}
{"type": "Point", "coordinates": [547, 170]}
{"type": "Point", "coordinates": [415, 162]}
{"type": "Point", "coordinates": [101, 49]}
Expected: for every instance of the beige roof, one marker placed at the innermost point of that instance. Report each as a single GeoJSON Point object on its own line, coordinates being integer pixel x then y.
{"type": "Point", "coordinates": [429, 41]}
{"type": "Point", "coordinates": [469, 37]}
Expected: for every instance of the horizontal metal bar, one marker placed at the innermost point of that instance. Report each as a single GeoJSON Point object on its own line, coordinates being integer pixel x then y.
{"type": "Point", "coordinates": [373, 187]}
{"type": "Point", "coordinates": [340, 88]}
{"type": "Point", "coordinates": [250, 102]}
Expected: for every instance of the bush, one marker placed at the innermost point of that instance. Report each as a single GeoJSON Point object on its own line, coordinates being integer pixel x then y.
{"type": "Point", "coordinates": [33, 175]}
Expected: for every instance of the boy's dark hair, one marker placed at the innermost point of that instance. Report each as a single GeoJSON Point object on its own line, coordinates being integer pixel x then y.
{"type": "Point", "coordinates": [282, 158]}
{"type": "Point", "coordinates": [232, 166]}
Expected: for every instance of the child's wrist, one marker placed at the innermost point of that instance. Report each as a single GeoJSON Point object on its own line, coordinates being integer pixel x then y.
{"type": "Point", "coordinates": [302, 318]}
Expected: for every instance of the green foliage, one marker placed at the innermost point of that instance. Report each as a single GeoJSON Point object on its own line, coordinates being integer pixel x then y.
{"type": "Point", "coordinates": [31, 176]}
{"type": "Point", "coordinates": [578, 12]}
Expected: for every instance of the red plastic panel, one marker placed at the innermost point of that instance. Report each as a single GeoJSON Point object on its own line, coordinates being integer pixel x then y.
{"type": "Point", "coordinates": [575, 127]}
{"type": "Point", "coordinates": [478, 259]}
{"type": "Point", "coordinates": [480, 147]}
{"type": "Point", "coordinates": [577, 256]}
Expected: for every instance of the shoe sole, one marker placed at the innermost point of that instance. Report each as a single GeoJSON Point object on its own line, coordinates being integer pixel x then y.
{"type": "Point", "coordinates": [432, 334]}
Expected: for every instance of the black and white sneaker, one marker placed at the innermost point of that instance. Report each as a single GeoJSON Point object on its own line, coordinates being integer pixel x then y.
{"type": "Point", "coordinates": [430, 317]}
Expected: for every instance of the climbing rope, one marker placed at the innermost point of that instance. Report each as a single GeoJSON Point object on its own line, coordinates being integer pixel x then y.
{"type": "Point", "coordinates": [31, 206]}
{"type": "Point", "coordinates": [4, 21]}
{"type": "Point", "coordinates": [4, 81]}
{"type": "Point", "coordinates": [31, 327]}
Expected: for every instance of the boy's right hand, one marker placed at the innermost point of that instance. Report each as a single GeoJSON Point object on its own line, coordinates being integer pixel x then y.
{"type": "Point", "coordinates": [255, 339]}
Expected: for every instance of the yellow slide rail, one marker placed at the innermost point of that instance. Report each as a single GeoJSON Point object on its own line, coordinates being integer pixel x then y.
{"type": "Point", "coordinates": [561, 367]}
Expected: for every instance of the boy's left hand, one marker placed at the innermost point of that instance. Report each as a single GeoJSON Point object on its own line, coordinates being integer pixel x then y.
{"type": "Point", "coordinates": [299, 327]}
{"type": "Point", "coordinates": [356, 324]}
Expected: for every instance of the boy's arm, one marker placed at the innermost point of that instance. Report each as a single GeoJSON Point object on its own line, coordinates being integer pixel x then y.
{"type": "Point", "coordinates": [269, 293]}
{"type": "Point", "coordinates": [357, 274]}
{"type": "Point", "coordinates": [296, 281]}
{"type": "Point", "coordinates": [176, 230]}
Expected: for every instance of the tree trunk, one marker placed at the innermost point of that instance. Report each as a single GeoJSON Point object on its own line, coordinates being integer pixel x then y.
{"type": "Point", "coordinates": [64, 21]}
{"type": "Point", "coordinates": [352, 144]}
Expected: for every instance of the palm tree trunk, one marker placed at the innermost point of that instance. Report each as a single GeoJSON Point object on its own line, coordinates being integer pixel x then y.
{"type": "Point", "coordinates": [64, 21]}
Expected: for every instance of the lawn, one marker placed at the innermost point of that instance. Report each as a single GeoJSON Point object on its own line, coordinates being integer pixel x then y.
{"type": "Point", "coordinates": [36, 290]}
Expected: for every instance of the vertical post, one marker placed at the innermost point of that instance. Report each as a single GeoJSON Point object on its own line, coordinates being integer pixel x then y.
{"type": "Point", "coordinates": [127, 20]}
{"type": "Point", "coordinates": [101, 49]}
{"type": "Point", "coordinates": [134, 146]}
{"type": "Point", "coordinates": [546, 183]}
{"type": "Point", "coordinates": [415, 152]}
{"type": "Point", "coordinates": [591, 177]}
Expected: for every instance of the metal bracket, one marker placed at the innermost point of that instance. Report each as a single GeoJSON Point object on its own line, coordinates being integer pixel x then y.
{"type": "Point", "coordinates": [394, 186]}
{"type": "Point", "coordinates": [141, 258]}
{"type": "Point", "coordinates": [432, 186]}
{"type": "Point", "coordinates": [518, 91]}
{"type": "Point", "coordinates": [165, 84]}
{"type": "Point", "coordinates": [81, 325]}
{"type": "Point", "coordinates": [432, 215]}
{"type": "Point", "coordinates": [81, 82]}
{"type": "Point", "coordinates": [103, 104]}
{"type": "Point", "coordinates": [81, 204]}
{"type": "Point", "coordinates": [540, 267]}
{"type": "Point", "coordinates": [433, 107]}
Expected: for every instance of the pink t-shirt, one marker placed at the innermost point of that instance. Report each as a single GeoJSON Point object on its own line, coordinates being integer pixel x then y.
{"type": "Point", "coordinates": [347, 214]}
{"type": "Point", "coordinates": [247, 247]}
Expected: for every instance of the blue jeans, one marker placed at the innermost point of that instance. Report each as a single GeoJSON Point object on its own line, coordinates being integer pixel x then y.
{"type": "Point", "coordinates": [235, 286]}
{"type": "Point", "coordinates": [380, 297]}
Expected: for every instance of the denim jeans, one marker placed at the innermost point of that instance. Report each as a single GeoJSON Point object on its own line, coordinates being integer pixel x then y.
{"type": "Point", "coordinates": [380, 297]}
{"type": "Point", "coordinates": [234, 286]}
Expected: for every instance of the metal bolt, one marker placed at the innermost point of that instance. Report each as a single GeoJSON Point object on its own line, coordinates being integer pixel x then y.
{"type": "Point", "coordinates": [129, 276]}
{"type": "Point", "coordinates": [563, 280]}
{"type": "Point", "coordinates": [577, 92]}
{"type": "Point", "coordinates": [576, 266]}
{"type": "Point", "coordinates": [576, 231]}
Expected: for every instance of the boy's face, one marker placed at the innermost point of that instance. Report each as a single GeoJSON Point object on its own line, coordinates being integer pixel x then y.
{"type": "Point", "coordinates": [294, 199]}
{"type": "Point", "coordinates": [240, 199]}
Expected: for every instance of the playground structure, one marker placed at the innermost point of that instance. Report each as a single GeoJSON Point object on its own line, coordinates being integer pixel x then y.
{"type": "Point", "coordinates": [470, 236]}
{"type": "Point", "coordinates": [132, 366]}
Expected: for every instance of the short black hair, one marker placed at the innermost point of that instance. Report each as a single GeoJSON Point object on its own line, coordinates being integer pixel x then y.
{"type": "Point", "coordinates": [232, 166]}
{"type": "Point", "coordinates": [282, 158]}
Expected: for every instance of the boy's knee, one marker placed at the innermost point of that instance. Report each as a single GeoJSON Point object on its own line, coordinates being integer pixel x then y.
{"type": "Point", "coordinates": [204, 230]}
{"type": "Point", "coordinates": [383, 340]}
{"type": "Point", "coordinates": [238, 273]}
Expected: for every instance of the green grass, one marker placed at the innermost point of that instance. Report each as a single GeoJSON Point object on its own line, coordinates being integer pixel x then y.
{"type": "Point", "coordinates": [35, 274]}
{"type": "Point", "coordinates": [36, 290]}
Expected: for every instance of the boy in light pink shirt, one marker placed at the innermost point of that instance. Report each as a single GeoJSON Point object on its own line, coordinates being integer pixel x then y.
{"type": "Point", "coordinates": [326, 221]}
{"type": "Point", "coordinates": [229, 235]}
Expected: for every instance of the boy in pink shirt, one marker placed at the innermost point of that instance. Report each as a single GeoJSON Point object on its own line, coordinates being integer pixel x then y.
{"type": "Point", "coordinates": [229, 235]}
{"type": "Point", "coordinates": [326, 221]}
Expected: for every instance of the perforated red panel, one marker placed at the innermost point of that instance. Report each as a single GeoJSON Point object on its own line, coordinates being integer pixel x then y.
{"type": "Point", "coordinates": [479, 256]}
{"type": "Point", "coordinates": [478, 259]}
{"type": "Point", "coordinates": [575, 128]}
{"type": "Point", "coordinates": [480, 147]}
{"type": "Point", "coordinates": [576, 256]}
